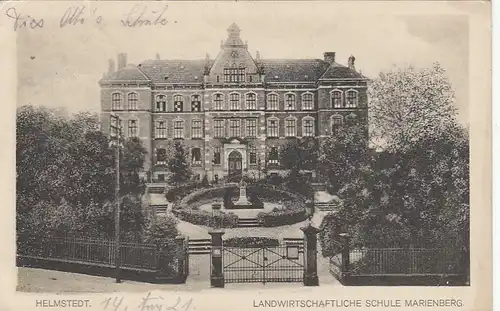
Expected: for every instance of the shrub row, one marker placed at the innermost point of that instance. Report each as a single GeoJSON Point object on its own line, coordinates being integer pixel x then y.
{"type": "Point", "coordinates": [204, 218]}
{"type": "Point", "coordinates": [250, 242]}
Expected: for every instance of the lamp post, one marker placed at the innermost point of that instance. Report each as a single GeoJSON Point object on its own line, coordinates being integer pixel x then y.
{"type": "Point", "coordinates": [116, 128]}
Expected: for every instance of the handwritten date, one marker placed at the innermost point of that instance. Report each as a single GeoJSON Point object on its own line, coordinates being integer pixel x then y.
{"type": "Point", "coordinates": [148, 303]}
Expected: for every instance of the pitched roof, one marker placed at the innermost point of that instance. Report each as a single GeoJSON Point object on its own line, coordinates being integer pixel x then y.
{"type": "Point", "coordinates": [337, 71]}
{"type": "Point", "coordinates": [174, 71]}
{"type": "Point", "coordinates": [129, 73]}
{"type": "Point", "coordinates": [276, 70]}
{"type": "Point", "coordinates": [293, 70]}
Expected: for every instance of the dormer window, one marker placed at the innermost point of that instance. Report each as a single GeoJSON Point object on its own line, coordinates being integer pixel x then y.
{"type": "Point", "coordinates": [178, 103]}
{"type": "Point", "coordinates": [195, 103]}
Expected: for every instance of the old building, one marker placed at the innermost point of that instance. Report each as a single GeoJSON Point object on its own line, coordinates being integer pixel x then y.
{"type": "Point", "coordinates": [233, 112]}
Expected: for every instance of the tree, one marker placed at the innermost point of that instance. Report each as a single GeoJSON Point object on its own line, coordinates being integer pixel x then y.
{"type": "Point", "coordinates": [408, 104]}
{"type": "Point", "coordinates": [298, 155]}
{"type": "Point", "coordinates": [178, 165]}
{"type": "Point", "coordinates": [343, 155]}
{"type": "Point", "coordinates": [132, 163]}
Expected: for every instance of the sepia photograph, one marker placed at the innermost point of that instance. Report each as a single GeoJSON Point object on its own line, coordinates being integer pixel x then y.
{"type": "Point", "coordinates": [241, 146]}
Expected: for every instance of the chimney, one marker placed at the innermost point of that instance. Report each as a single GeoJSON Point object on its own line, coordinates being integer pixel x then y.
{"type": "Point", "coordinates": [158, 56]}
{"type": "Point", "coordinates": [257, 56]}
{"type": "Point", "coordinates": [111, 66]}
{"type": "Point", "coordinates": [350, 62]}
{"type": "Point", "coordinates": [122, 60]}
{"type": "Point", "coordinates": [329, 57]}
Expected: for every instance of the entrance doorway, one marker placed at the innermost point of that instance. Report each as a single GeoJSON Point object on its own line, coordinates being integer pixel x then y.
{"type": "Point", "coordinates": [234, 164]}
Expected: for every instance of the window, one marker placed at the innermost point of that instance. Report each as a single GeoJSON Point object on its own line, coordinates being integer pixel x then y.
{"type": "Point", "coordinates": [161, 129]}
{"type": "Point", "coordinates": [115, 127]}
{"type": "Point", "coordinates": [178, 129]}
{"type": "Point", "coordinates": [272, 128]}
{"type": "Point", "coordinates": [232, 75]}
{"type": "Point", "coordinates": [234, 127]}
{"type": "Point", "coordinates": [336, 99]}
{"type": "Point", "coordinates": [217, 155]}
{"type": "Point", "coordinates": [132, 99]}
{"type": "Point", "coordinates": [219, 128]}
{"type": "Point", "coordinates": [161, 156]}
{"type": "Point", "coordinates": [290, 102]}
{"type": "Point", "coordinates": [273, 155]}
{"type": "Point", "coordinates": [253, 155]}
{"type": "Point", "coordinates": [251, 101]}
{"type": "Point", "coordinates": [272, 102]}
{"type": "Point", "coordinates": [218, 101]}
{"type": "Point", "coordinates": [196, 156]}
{"type": "Point", "coordinates": [196, 129]}
{"type": "Point", "coordinates": [336, 124]}
{"type": "Point", "coordinates": [307, 101]}
{"type": "Point", "coordinates": [178, 103]}
{"type": "Point", "coordinates": [290, 127]}
{"type": "Point", "coordinates": [195, 103]}
{"type": "Point", "coordinates": [351, 99]}
{"type": "Point", "coordinates": [308, 127]}
{"type": "Point", "coordinates": [132, 128]}
{"type": "Point", "coordinates": [251, 127]}
{"type": "Point", "coordinates": [116, 101]}
{"type": "Point", "coordinates": [234, 101]}
{"type": "Point", "coordinates": [161, 103]}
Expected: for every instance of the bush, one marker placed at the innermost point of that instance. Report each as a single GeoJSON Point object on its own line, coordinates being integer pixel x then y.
{"type": "Point", "coordinates": [244, 242]}
{"type": "Point", "coordinates": [204, 218]}
{"type": "Point", "coordinates": [329, 235]}
{"type": "Point", "coordinates": [179, 192]}
{"type": "Point", "coordinates": [282, 217]}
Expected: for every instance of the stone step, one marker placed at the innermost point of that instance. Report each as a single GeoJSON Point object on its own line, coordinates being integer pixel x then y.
{"type": "Point", "coordinates": [156, 189]}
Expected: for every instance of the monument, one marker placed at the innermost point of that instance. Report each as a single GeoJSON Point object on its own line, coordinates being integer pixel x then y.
{"type": "Point", "coordinates": [243, 201]}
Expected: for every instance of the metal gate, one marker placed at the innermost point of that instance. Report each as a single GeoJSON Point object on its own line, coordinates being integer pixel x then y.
{"type": "Point", "coordinates": [263, 264]}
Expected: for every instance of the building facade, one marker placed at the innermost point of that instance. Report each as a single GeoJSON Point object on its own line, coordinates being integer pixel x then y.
{"type": "Point", "coordinates": [234, 112]}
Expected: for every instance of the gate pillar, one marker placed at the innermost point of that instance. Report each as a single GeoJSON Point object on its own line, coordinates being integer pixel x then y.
{"type": "Point", "coordinates": [311, 265]}
{"type": "Point", "coordinates": [216, 274]}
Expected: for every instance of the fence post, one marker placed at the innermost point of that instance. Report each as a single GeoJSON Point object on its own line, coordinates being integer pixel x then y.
{"type": "Point", "coordinates": [179, 245]}
{"type": "Point", "coordinates": [346, 252]}
{"type": "Point", "coordinates": [311, 266]}
{"type": "Point", "coordinates": [217, 273]}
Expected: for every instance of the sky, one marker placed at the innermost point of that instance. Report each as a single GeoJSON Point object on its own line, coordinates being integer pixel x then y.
{"type": "Point", "coordinates": [60, 67]}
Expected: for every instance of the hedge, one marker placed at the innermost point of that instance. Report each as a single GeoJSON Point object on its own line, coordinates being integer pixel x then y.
{"type": "Point", "coordinates": [250, 242]}
{"type": "Point", "coordinates": [204, 218]}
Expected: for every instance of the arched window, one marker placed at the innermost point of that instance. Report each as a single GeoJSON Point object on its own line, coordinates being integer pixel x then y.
{"type": "Point", "coordinates": [161, 103]}
{"type": "Point", "coordinates": [351, 98]}
{"type": "Point", "coordinates": [178, 103]}
{"type": "Point", "coordinates": [218, 101]}
{"type": "Point", "coordinates": [196, 131]}
{"type": "Point", "coordinates": [290, 127]}
{"type": "Point", "coordinates": [132, 99]}
{"type": "Point", "coordinates": [337, 122]}
{"type": "Point", "coordinates": [234, 101]}
{"type": "Point", "coordinates": [307, 101]}
{"type": "Point", "coordinates": [273, 127]}
{"type": "Point", "coordinates": [289, 101]}
{"type": "Point", "coordinates": [116, 101]}
{"type": "Point", "coordinates": [308, 127]}
{"type": "Point", "coordinates": [195, 103]}
{"type": "Point", "coordinates": [161, 129]}
{"type": "Point", "coordinates": [336, 99]}
{"type": "Point", "coordinates": [272, 102]}
{"type": "Point", "coordinates": [178, 129]}
{"type": "Point", "coordinates": [196, 156]}
{"type": "Point", "coordinates": [251, 101]}
{"type": "Point", "coordinates": [133, 130]}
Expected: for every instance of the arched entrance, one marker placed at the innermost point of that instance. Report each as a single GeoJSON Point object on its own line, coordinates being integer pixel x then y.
{"type": "Point", "coordinates": [234, 164]}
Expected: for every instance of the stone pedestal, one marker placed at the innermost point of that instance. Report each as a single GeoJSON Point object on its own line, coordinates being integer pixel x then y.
{"type": "Point", "coordinates": [216, 273]}
{"type": "Point", "coordinates": [310, 247]}
{"type": "Point", "coordinates": [243, 201]}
